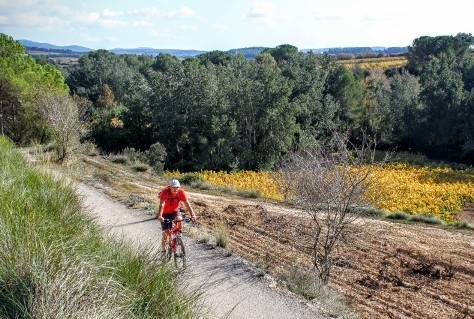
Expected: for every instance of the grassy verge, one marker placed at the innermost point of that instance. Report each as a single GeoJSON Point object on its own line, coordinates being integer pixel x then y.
{"type": "Point", "coordinates": [54, 263]}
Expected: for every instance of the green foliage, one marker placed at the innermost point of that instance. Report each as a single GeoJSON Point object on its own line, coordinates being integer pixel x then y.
{"type": "Point", "coordinates": [426, 48]}
{"type": "Point", "coordinates": [283, 52]}
{"type": "Point", "coordinates": [141, 167]}
{"type": "Point", "coordinates": [221, 111]}
{"type": "Point", "coordinates": [426, 218]}
{"type": "Point", "coordinates": [463, 224]}
{"type": "Point", "coordinates": [190, 178]}
{"type": "Point", "coordinates": [215, 57]}
{"type": "Point", "coordinates": [366, 211]}
{"type": "Point", "coordinates": [200, 184]}
{"type": "Point", "coordinates": [22, 82]}
{"type": "Point", "coordinates": [165, 62]}
{"type": "Point", "coordinates": [409, 158]}
{"type": "Point", "coordinates": [120, 159]}
{"type": "Point", "coordinates": [398, 216]}
{"type": "Point", "coordinates": [156, 156]}
{"type": "Point", "coordinates": [250, 193]}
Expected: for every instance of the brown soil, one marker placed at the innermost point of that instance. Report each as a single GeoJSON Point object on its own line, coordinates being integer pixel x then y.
{"type": "Point", "coordinates": [467, 213]}
{"type": "Point", "coordinates": [390, 270]}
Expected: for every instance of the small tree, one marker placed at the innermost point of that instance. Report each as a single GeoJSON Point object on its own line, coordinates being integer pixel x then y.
{"type": "Point", "coordinates": [329, 187]}
{"type": "Point", "coordinates": [61, 114]}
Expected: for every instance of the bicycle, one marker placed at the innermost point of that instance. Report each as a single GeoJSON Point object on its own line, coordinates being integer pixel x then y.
{"type": "Point", "coordinates": [175, 246]}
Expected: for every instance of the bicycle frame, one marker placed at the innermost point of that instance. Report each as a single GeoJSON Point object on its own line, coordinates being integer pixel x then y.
{"type": "Point", "coordinates": [175, 246]}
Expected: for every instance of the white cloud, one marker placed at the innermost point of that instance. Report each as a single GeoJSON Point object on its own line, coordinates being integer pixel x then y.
{"type": "Point", "coordinates": [146, 12]}
{"type": "Point", "coordinates": [94, 19]}
{"type": "Point", "coordinates": [220, 27]}
{"type": "Point", "coordinates": [142, 23]}
{"type": "Point", "coordinates": [90, 38]}
{"type": "Point", "coordinates": [188, 27]}
{"type": "Point", "coordinates": [263, 12]}
{"type": "Point", "coordinates": [160, 33]}
{"type": "Point", "coordinates": [87, 19]}
{"type": "Point", "coordinates": [183, 12]}
{"type": "Point", "coordinates": [111, 14]}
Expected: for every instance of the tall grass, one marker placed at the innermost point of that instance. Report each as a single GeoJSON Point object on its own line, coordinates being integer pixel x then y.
{"type": "Point", "coordinates": [54, 263]}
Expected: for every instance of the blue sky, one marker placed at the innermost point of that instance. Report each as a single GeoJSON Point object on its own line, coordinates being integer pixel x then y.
{"type": "Point", "coordinates": [227, 24]}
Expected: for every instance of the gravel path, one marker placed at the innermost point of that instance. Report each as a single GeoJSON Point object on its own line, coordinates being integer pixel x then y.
{"type": "Point", "coordinates": [231, 287]}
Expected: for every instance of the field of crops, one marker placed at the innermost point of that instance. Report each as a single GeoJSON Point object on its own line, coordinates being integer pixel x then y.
{"type": "Point", "coordinates": [371, 63]}
{"type": "Point", "coordinates": [439, 191]}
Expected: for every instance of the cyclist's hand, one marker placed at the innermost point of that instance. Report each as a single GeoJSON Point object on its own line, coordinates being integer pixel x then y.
{"type": "Point", "coordinates": [193, 217]}
{"type": "Point", "coordinates": [161, 219]}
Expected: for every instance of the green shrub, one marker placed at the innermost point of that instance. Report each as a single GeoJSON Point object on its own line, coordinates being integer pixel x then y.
{"type": "Point", "coordinates": [190, 178]}
{"type": "Point", "coordinates": [410, 158]}
{"type": "Point", "coordinates": [120, 159]}
{"type": "Point", "coordinates": [426, 218]}
{"type": "Point", "coordinates": [367, 211]}
{"type": "Point", "coordinates": [132, 154]}
{"type": "Point", "coordinates": [463, 224]}
{"type": "Point", "coordinates": [141, 167]}
{"type": "Point", "coordinates": [398, 216]}
{"type": "Point", "coordinates": [201, 185]}
{"type": "Point", "coordinates": [155, 157]}
{"type": "Point", "coordinates": [250, 193]}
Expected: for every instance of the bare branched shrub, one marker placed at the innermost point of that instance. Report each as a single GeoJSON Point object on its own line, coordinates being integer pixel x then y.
{"type": "Point", "coordinates": [330, 186]}
{"type": "Point", "coordinates": [61, 114]}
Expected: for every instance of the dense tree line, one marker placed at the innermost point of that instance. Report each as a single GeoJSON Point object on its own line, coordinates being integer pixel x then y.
{"type": "Point", "coordinates": [221, 111]}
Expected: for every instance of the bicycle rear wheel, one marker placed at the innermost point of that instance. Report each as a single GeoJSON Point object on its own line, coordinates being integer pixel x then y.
{"type": "Point", "coordinates": [180, 253]}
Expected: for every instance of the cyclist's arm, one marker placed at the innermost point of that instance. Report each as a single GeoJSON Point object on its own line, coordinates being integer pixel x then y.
{"type": "Point", "coordinates": [160, 210]}
{"type": "Point", "coordinates": [189, 209]}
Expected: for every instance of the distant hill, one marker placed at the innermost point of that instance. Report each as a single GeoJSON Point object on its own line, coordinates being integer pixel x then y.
{"type": "Point", "coordinates": [74, 48]}
{"type": "Point", "coordinates": [249, 53]}
{"type": "Point", "coordinates": [360, 50]}
{"type": "Point", "coordinates": [154, 52]}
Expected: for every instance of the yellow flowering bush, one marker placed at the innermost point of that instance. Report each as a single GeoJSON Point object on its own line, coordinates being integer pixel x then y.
{"type": "Point", "coordinates": [439, 191]}
{"type": "Point", "coordinates": [264, 182]}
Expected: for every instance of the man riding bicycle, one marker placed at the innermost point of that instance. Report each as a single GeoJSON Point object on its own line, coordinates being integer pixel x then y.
{"type": "Point", "coordinates": [169, 208]}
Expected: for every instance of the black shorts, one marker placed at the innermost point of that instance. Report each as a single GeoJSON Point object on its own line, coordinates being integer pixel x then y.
{"type": "Point", "coordinates": [166, 224]}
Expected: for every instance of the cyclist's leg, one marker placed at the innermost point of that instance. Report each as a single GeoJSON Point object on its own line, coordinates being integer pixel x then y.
{"type": "Point", "coordinates": [164, 238]}
{"type": "Point", "coordinates": [178, 216]}
{"type": "Point", "coordinates": [165, 230]}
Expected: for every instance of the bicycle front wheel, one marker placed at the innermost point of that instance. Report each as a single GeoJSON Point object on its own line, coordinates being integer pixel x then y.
{"type": "Point", "coordinates": [180, 253]}
{"type": "Point", "coordinates": [167, 253]}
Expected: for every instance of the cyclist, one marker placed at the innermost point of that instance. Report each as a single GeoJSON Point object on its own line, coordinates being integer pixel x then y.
{"type": "Point", "coordinates": [170, 199]}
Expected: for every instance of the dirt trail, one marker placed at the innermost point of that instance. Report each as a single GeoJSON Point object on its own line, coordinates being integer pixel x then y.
{"type": "Point", "coordinates": [231, 287]}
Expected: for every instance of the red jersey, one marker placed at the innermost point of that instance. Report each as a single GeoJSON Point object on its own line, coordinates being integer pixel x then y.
{"type": "Point", "coordinates": [172, 200]}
